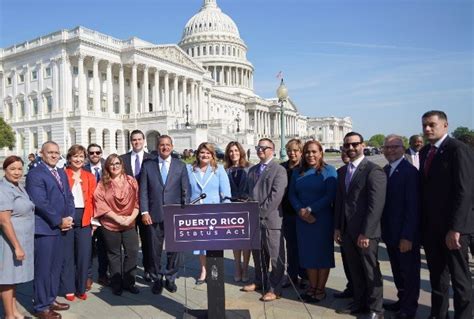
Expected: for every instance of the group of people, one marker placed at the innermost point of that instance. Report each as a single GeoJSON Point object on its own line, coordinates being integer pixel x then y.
{"type": "Point", "coordinates": [423, 197]}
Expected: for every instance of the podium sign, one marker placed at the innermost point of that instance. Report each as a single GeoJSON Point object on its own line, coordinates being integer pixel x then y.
{"type": "Point", "coordinates": [212, 226]}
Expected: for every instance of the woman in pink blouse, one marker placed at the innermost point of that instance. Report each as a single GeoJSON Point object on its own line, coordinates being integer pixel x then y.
{"type": "Point", "coordinates": [116, 200]}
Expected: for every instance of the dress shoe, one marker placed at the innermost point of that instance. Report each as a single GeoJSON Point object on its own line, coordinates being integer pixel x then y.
{"type": "Point", "coordinates": [343, 294]}
{"type": "Point", "coordinates": [148, 277]}
{"type": "Point", "coordinates": [82, 296]}
{"type": "Point", "coordinates": [375, 315]}
{"type": "Point", "coordinates": [70, 297]}
{"type": "Point", "coordinates": [117, 291]}
{"type": "Point", "coordinates": [170, 286]}
{"type": "Point", "coordinates": [270, 296]}
{"type": "Point", "coordinates": [394, 306]}
{"type": "Point", "coordinates": [251, 287]}
{"type": "Point", "coordinates": [351, 311]}
{"type": "Point", "coordinates": [104, 281]}
{"type": "Point", "coordinates": [59, 306]}
{"type": "Point", "coordinates": [132, 289]}
{"type": "Point", "coordinates": [200, 281]}
{"type": "Point", "coordinates": [89, 283]}
{"type": "Point", "coordinates": [402, 315]}
{"type": "Point", "coordinates": [47, 314]}
{"type": "Point", "coordinates": [157, 288]}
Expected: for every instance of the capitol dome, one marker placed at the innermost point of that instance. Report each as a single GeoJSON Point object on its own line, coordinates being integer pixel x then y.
{"type": "Point", "coordinates": [212, 38]}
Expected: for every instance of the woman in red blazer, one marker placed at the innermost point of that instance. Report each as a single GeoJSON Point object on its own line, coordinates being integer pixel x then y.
{"type": "Point", "coordinates": [77, 257]}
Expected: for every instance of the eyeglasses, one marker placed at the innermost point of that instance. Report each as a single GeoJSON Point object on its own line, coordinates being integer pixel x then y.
{"type": "Point", "coordinates": [118, 164]}
{"type": "Point", "coordinates": [354, 145]}
{"type": "Point", "coordinates": [95, 153]}
{"type": "Point", "coordinates": [262, 148]}
{"type": "Point", "coordinates": [391, 147]}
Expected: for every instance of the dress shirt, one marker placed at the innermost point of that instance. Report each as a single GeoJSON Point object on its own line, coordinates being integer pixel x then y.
{"type": "Point", "coordinates": [133, 159]}
{"type": "Point", "coordinates": [99, 166]}
{"type": "Point", "coordinates": [438, 143]}
{"type": "Point", "coordinates": [415, 158]}
{"type": "Point", "coordinates": [166, 162]}
{"type": "Point", "coordinates": [394, 165]}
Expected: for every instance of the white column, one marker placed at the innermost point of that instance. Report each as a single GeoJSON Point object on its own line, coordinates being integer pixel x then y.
{"type": "Point", "coordinates": [14, 115]}
{"type": "Point", "coordinates": [200, 115]}
{"type": "Point", "coordinates": [121, 90]}
{"type": "Point", "coordinates": [82, 88]}
{"type": "Point", "coordinates": [241, 79]}
{"type": "Point", "coordinates": [55, 93]}
{"type": "Point", "coordinates": [134, 93]}
{"type": "Point", "coordinates": [214, 73]}
{"type": "Point", "coordinates": [167, 91]}
{"type": "Point", "coordinates": [39, 67]}
{"type": "Point", "coordinates": [228, 76]}
{"type": "Point", "coordinates": [208, 107]}
{"type": "Point", "coordinates": [110, 88]}
{"type": "Point", "coordinates": [26, 99]}
{"type": "Point", "coordinates": [175, 93]}
{"type": "Point", "coordinates": [145, 91]}
{"type": "Point", "coordinates": [156, 91]}
{"type": "Point", "coordinates": [96, 81]}
{"type": "Point", "coordinates": [221, 75]}
{"type": "Point", "coordinates": [185, 92]}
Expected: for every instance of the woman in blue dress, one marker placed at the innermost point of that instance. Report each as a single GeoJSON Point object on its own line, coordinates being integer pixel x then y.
{"type": "Point", "coordinates": [237, 168]}
{"type": "Point", "coordinates": [17, 229]}
{"type": "Point", "coordinates": [312, 193]}
{"type": "Point", "coordinates": [206, 176]}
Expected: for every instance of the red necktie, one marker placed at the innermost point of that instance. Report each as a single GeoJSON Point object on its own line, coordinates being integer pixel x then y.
{"type": "Point", "coordinates": [429, 159]}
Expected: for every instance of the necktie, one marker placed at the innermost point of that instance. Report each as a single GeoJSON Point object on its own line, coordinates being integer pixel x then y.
{"type": "Point", "coordinates": [137, 165]}
{"type": "Point", "coordinates": [164, 172]}
{"type": "Point", "coordinates": [260, 170]}
{"type": "Point", "coordinates": [387, 170]}
{"type": "Point", "coordinates": [58, 179]}
{"type": "Point", "coordinates": [429, 159]}
{"type": "Point", "coordinates": [97, 175]}
{"type": "Point", "coordinates": [349, 173]}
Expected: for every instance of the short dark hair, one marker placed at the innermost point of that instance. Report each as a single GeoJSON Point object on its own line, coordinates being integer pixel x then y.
{"type": "Point", "coordinates": [10, 160]}
{"type": "Point", "coordinates": [93, 145]}
{"type": "Point", "coordinates": [75, 149]}
{"type": "Point", "coordinates": [267, 140]}
{"type": "Point", "coordinates": [354, 134]}
{"type": "Point", "coordinates": [164, 136]}
{"type": "Point", "coordinates": [414, 137]}
{"type": "Point", "coordinates": [440, 114]}
{"type": "Point", "coordinates": [134, 132]}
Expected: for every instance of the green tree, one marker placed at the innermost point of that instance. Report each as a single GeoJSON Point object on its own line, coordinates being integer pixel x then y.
{"type": "Point", "coordinates": [7, 136]}
{"type": "Point", "coordinates": [406, 142]}
{"type": "Point", "coordinates": [462, 130]}
{"type": "Point", "coordinates": [376, 140]}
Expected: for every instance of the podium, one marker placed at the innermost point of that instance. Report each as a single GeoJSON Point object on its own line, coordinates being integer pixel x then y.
{"type": "Point", "coordinates": [213, 227]}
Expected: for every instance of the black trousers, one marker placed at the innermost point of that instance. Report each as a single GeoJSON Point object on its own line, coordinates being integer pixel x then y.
{"type": "Point", "coordinates": [156, 238]}
{"type": "Point", "coordinates": [365, 273]}
{"type": "Point", "coordinates": [148, 264]}
{"type": "Point", "coordinates": [123, 274]}
{"type": "Point", "coordinates": [443, 264]}
{"type": "Point", "coordinates": [98, 246]}
{"type": "Point", "coordinates": [406, 275]}
{"type": "Point", "coordinates": [345, 264]}
{"type": "Point", "coordinates": [292, 255]}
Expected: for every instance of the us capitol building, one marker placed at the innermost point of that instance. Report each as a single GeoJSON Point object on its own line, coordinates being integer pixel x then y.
{"type": "Point", "coordinates": [82, 86]}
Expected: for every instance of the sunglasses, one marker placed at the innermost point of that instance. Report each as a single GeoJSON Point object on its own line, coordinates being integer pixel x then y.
{"type": "Point", "coordinates": [354, 145]}
{"type": "Point", "coordinates": [262, 148]}
{"type": "Point", "coordinates": [95, 153]}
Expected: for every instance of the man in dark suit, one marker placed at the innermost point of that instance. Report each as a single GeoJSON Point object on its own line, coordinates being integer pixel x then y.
{"type": "Point", "coordinates": [447, 197]}
{"type": "Point", "coordinates": [267, 183]}
{"type": "Point", "coordinates": [95, 165]}
{"type": "Point", "coordinates": [133, 162]}
{"type": "Point", "coordinates": [413, 152]}
{"type": "Point", "coordinates": [360, 199]}
{"type": "Point", "coordinates": [401, 227]}
{"type": "Point", "coordinates": [49, 190]}
{"type": "Point", "coordinates": [164, 180]}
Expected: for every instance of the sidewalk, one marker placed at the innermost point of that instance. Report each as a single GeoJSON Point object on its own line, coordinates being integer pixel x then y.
{"type": "Point", "coordinates": [101, 303]}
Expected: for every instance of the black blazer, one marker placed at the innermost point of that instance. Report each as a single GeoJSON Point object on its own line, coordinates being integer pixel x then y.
{"type": "Point", "coordinates": [401, 214]}
{"type": "Point", "coordinates": [127, 161]}
{"type": "Point", "coordinates": [447, 193]}
{"type": "Point", "coordinates": [154, 193]}
{"type": "Point", "coordinates": [359, 210]}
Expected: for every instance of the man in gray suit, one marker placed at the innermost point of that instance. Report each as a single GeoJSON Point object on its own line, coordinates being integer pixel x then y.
{"type": "Point", "coordinates": [267, 183]}
{"type": "Point", "coordinates": [163, 180]}
{"type": "Point", "coordinates": [360, 200]}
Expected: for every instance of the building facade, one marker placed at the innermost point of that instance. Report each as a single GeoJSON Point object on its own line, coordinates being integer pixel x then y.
{"type": "Point", "coordinates": [82, 86]}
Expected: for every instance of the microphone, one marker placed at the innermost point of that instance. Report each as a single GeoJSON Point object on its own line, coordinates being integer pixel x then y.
{"type": "Point", "coordinates": [233, 199]}
{"type": "Point", "coordinates": [196, 200]}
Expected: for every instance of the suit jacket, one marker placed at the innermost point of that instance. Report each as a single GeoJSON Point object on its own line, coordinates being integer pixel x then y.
{"type": "Point", "coordinates": [51, 203]}
{"type": "Point", "coordinates": [154, 193]}
{"type": "Point", "coordinates": [87, 167]}
{"type": "Point", "coordinates": [215, 184]}
{"type": "Point", "coordinates": [447, 192]}
{"type": "Point", "coordinates": [359, 209]}
{"type": "Point", "coordinates": [268, 191]}
{"type": "Point", "coordinates": [401, 214]}
{"type": "Point", "coordinates": [240, 191]}
{"type": "Point", "coordinates": [88, 187]}
{"type": "Point", "coordinates": [127, 161]}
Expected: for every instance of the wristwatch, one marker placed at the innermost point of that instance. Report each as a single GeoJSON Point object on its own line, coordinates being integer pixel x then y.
{"type": "Point", "coordinates": [309, 209]}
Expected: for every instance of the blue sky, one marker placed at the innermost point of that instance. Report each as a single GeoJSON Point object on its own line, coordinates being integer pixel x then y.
{"type": "Point", "coordinates": [382, 62]}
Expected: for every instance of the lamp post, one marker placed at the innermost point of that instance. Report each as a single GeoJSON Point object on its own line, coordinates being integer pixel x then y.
{"type": "Point", "coordinates": [186, 112]}
{"type": "Point", "coordinates": [282, 94]}
{"type": "Point", "coordinates": [238, 119]}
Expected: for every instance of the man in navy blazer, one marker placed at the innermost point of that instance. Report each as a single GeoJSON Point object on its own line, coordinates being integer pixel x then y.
{"type": "Point", "coordinates": [163, 180]}
{"type": "Point", "coordinates": [49, 190]}
{"type": "Point", "coordinates": [133, 162]}
{"type": "Point", "coordinates": [401, 227]}
{"type": "Point", "coordinates": [447, 197]}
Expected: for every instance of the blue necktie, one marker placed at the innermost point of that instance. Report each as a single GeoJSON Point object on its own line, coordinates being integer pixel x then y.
{"type": "Point", "coordinates": [164, 172]}
{"type": "Point", "coordinates": [137, 165]}
{"type": "Point", "coordinates": [97, 175]}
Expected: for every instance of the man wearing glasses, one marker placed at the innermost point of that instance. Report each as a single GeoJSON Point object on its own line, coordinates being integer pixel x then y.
{"type": "Point", "coordinates": [360, 200]}
{"type": "Point", "coordinates": [267, 183]}
{"type": "Point", "coordinates": [95, 166]}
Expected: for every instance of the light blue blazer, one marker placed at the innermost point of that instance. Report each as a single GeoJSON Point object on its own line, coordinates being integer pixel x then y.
{"type": "Point", "coordinates": [215, 185]}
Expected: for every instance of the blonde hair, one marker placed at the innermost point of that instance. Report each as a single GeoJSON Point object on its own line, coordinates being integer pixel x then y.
{"type": "Point", "coordinates": [209, 147]}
